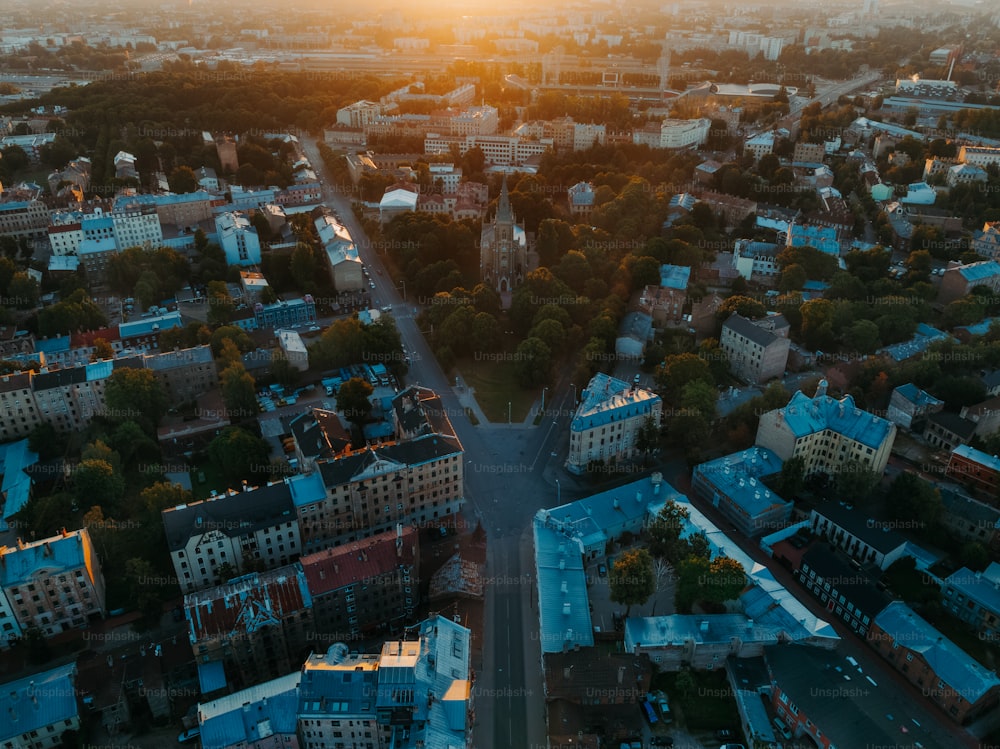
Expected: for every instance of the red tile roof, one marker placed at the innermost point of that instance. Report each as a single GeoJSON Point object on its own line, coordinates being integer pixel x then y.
{"type": "Point", "coordinates": [351, 563]}
{"type": "Point", "coordinates": [245, 604]}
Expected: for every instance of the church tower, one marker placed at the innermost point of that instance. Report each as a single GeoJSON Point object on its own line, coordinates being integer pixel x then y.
{"type": "Point", "coordinates": [503, 248]}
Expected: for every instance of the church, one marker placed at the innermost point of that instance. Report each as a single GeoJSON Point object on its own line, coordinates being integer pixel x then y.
{"type": "Point", "coordinates": [504, 252]}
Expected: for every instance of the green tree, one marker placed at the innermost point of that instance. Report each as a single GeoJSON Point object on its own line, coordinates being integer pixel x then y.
{"type": "Point", "coordinates": [863, 337]}
{"type": "Point", "coordinates": [647, 437]}
{"type": "Point", "coordinates": [854, 482]}
{"type": "Point", "coordinates": [183, 179]}
{"type": "Point", "coordinates": [679, 370]}
{"type": "Point", "coordinates": [910, 497]}
{"type": "Point", "coordinates": [533, 362]}
{"type": "Point", "coordinates": [239, 455]}
{"type": "Point", "coordinates": [724, 580]}
{"type": "Point", "coordinates": [974, 555]}
{"type": "Point", "coordinates": [135, 395]}
{"type": "Point", "coordinates": [232, 333]}
{"type": "Point", "coordinates": [792, 478]}
{"type": "Point", "coordinates": [22, 292]}
{"type": "Point", "coordinates": [239, 392]}
{"type": "Point", "coordinates": [304, 266]}
{"type": "Point", "coordinates": [163, 495]}
{"type": "Point", "coordinates": [631, 580]}
{"type": "Point", "coordinates": [817, 323]}
{"type": "Point", "coordinates": [691, 573]}
{"type": "Point", "coordinates": [282, 370]}
{"type": "Point", "coordinates": [793, 278]}
{"type": "Point", "coordinates": [699, 396]}
{"type": "Point", "coordinates": [354, 400]}
{"type": "Point", "coordinates": [47, 442]}
{"type": "Point", "coordinates": [143, 592]}
{"type": "Point", "coordinates": [745, 306]}
{"type": "Point", "coordinates": [96, 482]}
{"type": "Point", "coordinates": [664, 533]}
{"type": "Point", "coordinates": [102, 350]}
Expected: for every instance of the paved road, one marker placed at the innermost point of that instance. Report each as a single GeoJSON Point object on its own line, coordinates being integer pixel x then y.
{"type": "Point", "coordinates": [510, 473]}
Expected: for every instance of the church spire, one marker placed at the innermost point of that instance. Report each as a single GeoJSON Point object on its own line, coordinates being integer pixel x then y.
{"type": "Point", "coordinates": [504, 213]}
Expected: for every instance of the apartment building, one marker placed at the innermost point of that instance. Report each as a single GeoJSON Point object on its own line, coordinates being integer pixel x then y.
{"type": "Point", "coordinates": [607, 421]}
{"type": "Point", "coordinates": [259, 625]}
{"type": "Point", "coordinates": [960, 280]}
{"type": "Point", "coordinates": [754, 354]}
{"type": "Point", "coordinates": [318, 434]}
{"type": "Point", "coordinates": [259, 717]}
{"type": "Point", "coordinates": [255, 527]}
{"type": "Point", "coordinates": [986, 242]}
{"type": "Point", "coordinates": [38, 709]}
{"type": "Point", "coordinates": [848, 593]}
{"type": "Point", "coordinates": [364, 586]}
{"type": "Point", "coordinates": [499, 150]}
{"type": "Point", "coordinates": [827, 433]}
{"type": "Point", "coordinates": [979, 155]}
{"type": "Point", "coordinates": [756, 258]}
{"type": "Point", "coordinates": [238, 239]}
{"type": "Point", "coordinates": [19, 414]}
{"type": "Point", "coordinates": [54, 584]}
{"type": "Point", "coordinates": [370, 491]}
{"type": "Point", "coordinates": [975, 469]}
{"type": "Point", "coordinates": [674, 134]}
{"type": "Point", "coordinates": [69, 398]}
{"type": "Point", "coordinates": [337, 701]}
{"type": "Point", "coordinates": [359, 114]}
{"type": "Point", "coordinates": [970, 520]}
{"type": "Point", "coordinates": [186, 373]}
{"type": "Point", "coordinates": [864, 540]}
{"type": "Point", "coordinates": [909, 405]}
{"type": "Point", "coordinates": [974, 598]}
{"type": "Point", "coordinates": [735, 484]}
{"type": "Point", "coordinates": [23, 218]}
{"type": "Point", "coordinates": [945, 673]}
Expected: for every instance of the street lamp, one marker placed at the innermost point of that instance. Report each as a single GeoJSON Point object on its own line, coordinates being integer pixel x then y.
{"type": "Point", "coordinates": [508, 413]}
{"type": "Point", "coordinates": [543, 398]}
{"type": "Point", "coordinates": [574, 392]}
{"type": "Point", "coordinates": [558, 494]}
{"type": "Point", "coordinates": [403, 284]}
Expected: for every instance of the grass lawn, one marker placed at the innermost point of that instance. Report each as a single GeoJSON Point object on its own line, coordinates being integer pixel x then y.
{"type": "Point", "coordinates": [495, 385]}
{"type": "Point", "coordinates": [213, 480]}
{"type": "Point", "coordinates": [710, 705]}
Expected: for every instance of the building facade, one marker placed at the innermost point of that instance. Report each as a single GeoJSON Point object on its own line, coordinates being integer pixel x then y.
{"type": "Point", "coordinates": [55, 584]}
{"type": "Point", "coordinates": [827, 433]}
{"type": "Point", "coordinates": [754, 354]}
{"type": "Point", "coordinates": [503, 259]}
{"type": "Point", "coordinates": [608, 420]}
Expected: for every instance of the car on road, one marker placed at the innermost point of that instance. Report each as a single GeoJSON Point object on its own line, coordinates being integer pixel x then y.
{"type": "Point", "coordinates": [602, 570]}
{"type": "Point", "coordinates": [724, 734]}
{"type": "Point", "coordinates": [379, 271]}
{"type": "Point", "coordinates": [732, 746]}
{"type": "Point", "coordinates": [189, 735]}
{"type": "Point", "coordinates": [371, 284]}
{"type": "Point", "coordinates": [314, 328]}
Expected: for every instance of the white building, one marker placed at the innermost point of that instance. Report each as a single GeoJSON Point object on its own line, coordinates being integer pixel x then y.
{"type": "Point", "coordinates": [238, 239]}
{"type": "Point", "coordinates": [294, 348]}
{"type": "Point", "coordinates": [760, 145]}
{"type": "Point", "coordinates": [359, 114]}
{"type": "Point", "coordinates": [607, 421]}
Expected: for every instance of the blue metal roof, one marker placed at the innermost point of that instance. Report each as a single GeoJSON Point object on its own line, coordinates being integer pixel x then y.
{"type": "Point", "coordinates": [251, 715]}
{"type": "Point", "coordinates": [607, 399]}
{"type": "Point", "coordinates": [950, 663]}
{"type": "Point", "coordinates": [306, 488]}
{"type": "Point", "coordinates": [980, 271]}
{"type": "Point", "coordinates": [53, 554]}
{"type": "Point", "coordinates": [54, 345]}
{"type": "Point", "coordinates": [149, 325]}
{"type": "Point", "coordinates": [675, 276]}
{"type": "Point", "coordinates": [980, 587]}
{"type": "Point", "coordinates": [211, 676]}
{"type": "Point", "coordinates": [564, 617]}
{"type": "Point", "coordinates": [805, 415]}
{"type": "Point", "coordinates": [738, 477]}
{"type": "Point", "coordinates": [37, 701]}
{"type": "Point", "coordinates": [971, 453]}
{"type": "Point", "coordinates": [916, 396]}
{"type": "Point", "coordinates": [16, 487]}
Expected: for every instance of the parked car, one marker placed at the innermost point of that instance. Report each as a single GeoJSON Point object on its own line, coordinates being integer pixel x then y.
{"type": "Point", "coordinates": [602, 570]}
{"type": "Point", "coordinates": [723, 734]}
{"type": "Point", "coordinates": [189, 735]}
{"type": "Point", "coordinates": [662, 741]}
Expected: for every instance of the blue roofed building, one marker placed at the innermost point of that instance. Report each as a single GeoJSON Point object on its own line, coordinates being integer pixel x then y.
{"type": "Point", "coordinates": [960, 280]}
{"type": "Point", "coordinates": [946, 674]}
{"type": "Point", "coordinates": [61, 576]}
{"type": "Point", "coordinates": [38, 709]}
{"type": "Point", "coordinates": [606, 516]}
{"type": "Point", "coordinates": [564, 621]}
{"type": "Point", "coordinates": [337, 698]}
{"type": "Point", "coordinates": [922, 338]}
{"type": "Point", "coordinates": [15, 488]}
{"type": "Point", "coordinates": [675, 276]}
{"type": "Point", "coordinates": [735, 484]}
{"type": "Point", "coordinates": [909, 405]}
{"type": "Point", "coordinates": [827, 433]}
{"type": "Point", "coordinates": [974, 468]}
{"type": "Point", "coordinates": [974, 597]}
{"type": "Point", "coordinates": [143, 334]}
{"type": "Point", "coordinates": [607, 421]}
{"type": "Point", "coordinates": [823, 238]}
{"type": "Point", "coordinates": [260, 717]}
{"type": "Point", "coordinates": [867, 541]}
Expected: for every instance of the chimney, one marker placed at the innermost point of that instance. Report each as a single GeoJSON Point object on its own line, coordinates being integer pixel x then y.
{"type": "Point", "coordinates": [64, 533]}
{"type": "Point", "coordinates": [621, 674]}
{"type": "Point", "coordinates": [821, 389]}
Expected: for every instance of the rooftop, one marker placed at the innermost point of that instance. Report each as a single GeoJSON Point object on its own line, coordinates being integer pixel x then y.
{"type": "Point", "coordinates": [24, 713]}
{"type": "Point", "coordinates": [804, 416]}
{"type": "Point", "coordinates": [981, 587]}
{"type": "Point", "coordinates": [950, 663]}
{"type": "Point", "coordinates": [985, 459]}
{"type": "Point", "coordinates": [607, 399]}
{"type": "Point", "coordinates": [675, 276]}
{"type": "Point", "coordinates": [232, 514]}
{"type": "Point", "coordinates": [916, 396]}
{"type": "Point", "coordinates": [336, 567]}
{"type": "Point", "coordinates": [250, 715]}
{"type": "Point", "coordinates": [744, 327]}
{"type": "Point", "coordinates": [59, 553]}
{"type": "Point", "coordinates": [858, 524]}
{"type": "Point", "coordinates": [247, 604]}
{"type": "Point", "coordinates": [738, 476]}
{"type": "Point", "coordinates": [563, 600]}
